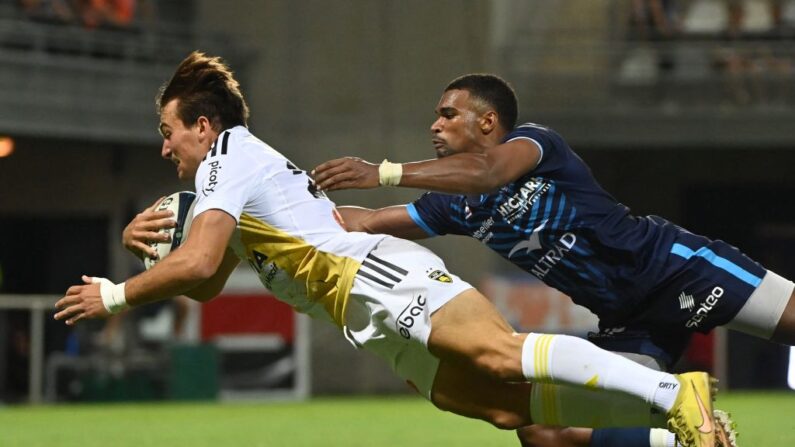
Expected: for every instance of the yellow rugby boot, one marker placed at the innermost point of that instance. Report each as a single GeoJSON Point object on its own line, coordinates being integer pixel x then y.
{"type": "Point", "coordinates": [691, 416]}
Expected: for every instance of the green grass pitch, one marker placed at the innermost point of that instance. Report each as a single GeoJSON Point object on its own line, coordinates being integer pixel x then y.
{"type": "Point", "coordinates": [764, 419]}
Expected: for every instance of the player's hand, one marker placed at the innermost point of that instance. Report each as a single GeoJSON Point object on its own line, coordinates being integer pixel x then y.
{"type": "Point", "coordinates": [81, 302]}
{"type": "Point", "coordinates": [346, 173]}
{"type": "Point", "coordinates": [143, 231]}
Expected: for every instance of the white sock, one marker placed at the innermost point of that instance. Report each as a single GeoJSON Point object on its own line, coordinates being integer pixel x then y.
{"type": "Point", "coordinates": [659, 437]}
{"type": "Point", "coordinates": [574, 361]}
{"type": "Point", "coordinates": [573, 406]}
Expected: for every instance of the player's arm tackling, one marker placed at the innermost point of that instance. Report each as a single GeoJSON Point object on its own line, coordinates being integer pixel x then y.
{"type": "Point", "coordinates": [461, 173]}
{"type": "Point", "coordinates": [392, 220]}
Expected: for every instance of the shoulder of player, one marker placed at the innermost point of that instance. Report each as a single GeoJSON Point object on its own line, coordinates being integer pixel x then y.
{"type": "Point", "coordinates": [235, 144]}
{"type": "Point", "coordinates": [545, 138]}
{"type": "Point", "coordinates": [529, 130]}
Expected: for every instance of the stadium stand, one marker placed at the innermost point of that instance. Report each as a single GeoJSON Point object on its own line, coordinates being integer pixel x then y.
{"type": "Point", "coordinates": [91, 80]}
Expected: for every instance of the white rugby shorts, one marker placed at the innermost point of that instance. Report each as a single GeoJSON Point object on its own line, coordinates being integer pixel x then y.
{"type": "Point", "coordinates": [398, 287]}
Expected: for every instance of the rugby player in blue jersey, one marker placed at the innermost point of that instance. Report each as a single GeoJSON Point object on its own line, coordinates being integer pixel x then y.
{"type": "Point", "coordinates": [391, 297]}
{"type": "Point", "coordinates": [523, 192]}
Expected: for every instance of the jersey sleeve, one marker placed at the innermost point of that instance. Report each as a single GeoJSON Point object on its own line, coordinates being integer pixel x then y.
{"type": "Point", "coordinates": [433, 213]}
{"type": "Point", "coordinates": [551, 145]}
{"type": "Point", "coordinates": [224, 181]}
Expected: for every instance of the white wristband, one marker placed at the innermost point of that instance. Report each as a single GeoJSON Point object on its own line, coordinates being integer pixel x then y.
{"type": "Point", "coordinates": [112, 295]}
{"type": "Point", "coordinates": [389, 174]}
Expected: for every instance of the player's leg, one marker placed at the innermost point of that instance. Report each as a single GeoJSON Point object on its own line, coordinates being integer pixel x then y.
{"type": "Point", "coordinates": [468, 330]}
{"type": "Point", "coordinates": [510, 405]}
{"type": "Point", "coordinates": [718, 285]}
{"type": "Point", "coordinates": [769, 311]}
{"type": "Point", "coordinates": [553, 406]}
{"type": "Point", "coordinates": [468, 393]}
{"type": "Point", "coordinates": [785, 328]}
{"type": "Point", "coordinates": [538, 435]}
{"type": "Point", "coordinates": [402, 284]}
{"type": "Point", "coordinates": [628, 412]}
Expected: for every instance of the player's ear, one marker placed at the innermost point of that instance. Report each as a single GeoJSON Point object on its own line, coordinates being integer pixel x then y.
{"type": "Point", "coordinates": [204, 126]}
{"type": "Point", "coordinates": [488, 122]}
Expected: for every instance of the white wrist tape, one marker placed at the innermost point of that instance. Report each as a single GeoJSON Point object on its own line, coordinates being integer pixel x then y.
{"type": "Point", "coordinates": [389, 174]}
{"type": "Point", "coordinates": [112, 295]}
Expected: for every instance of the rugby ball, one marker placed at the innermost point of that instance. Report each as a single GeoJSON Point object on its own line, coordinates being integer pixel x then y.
{"type": "Point", "coordinates": [181, 204]}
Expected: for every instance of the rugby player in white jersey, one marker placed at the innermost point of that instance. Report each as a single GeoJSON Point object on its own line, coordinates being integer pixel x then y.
{"type": "Point", "coordinates": [386, 295]}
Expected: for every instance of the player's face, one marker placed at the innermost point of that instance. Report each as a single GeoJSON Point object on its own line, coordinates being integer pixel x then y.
{"type": "Point", "coordinates": [456, 128]}
{"type": "Point", "coordinates": [183, 145]}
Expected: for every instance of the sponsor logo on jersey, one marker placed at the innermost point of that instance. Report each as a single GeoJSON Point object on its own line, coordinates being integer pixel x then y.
{"type": "Point", "coordinates": [532, 243]}
{"type": "Point", "coordinates": [550, 259]}
{"type": "Point", "coordinates": [438, 275]}
{"type": "Point", "coordinates": [408, 318]}
{"type": "Point", "coordinates": [686, 302]}
{"type": "Point", "coordinates": [258, 261]}
{"type": "Point", "coordinates": [212, 180]}
{"type": "Point", "coordinates": [705, 307]}
{"type": "Point", "coordinates": [529, 193]}
{"type": "Point", "coordinates": [482, 234]}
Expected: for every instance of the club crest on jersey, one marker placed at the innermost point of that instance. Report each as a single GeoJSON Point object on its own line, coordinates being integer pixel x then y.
{"type": "Point", "coordinates": [438, 275]}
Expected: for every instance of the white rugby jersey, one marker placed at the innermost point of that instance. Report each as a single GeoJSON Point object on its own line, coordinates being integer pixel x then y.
{"type": "Point", "coordinates": [286, 230]}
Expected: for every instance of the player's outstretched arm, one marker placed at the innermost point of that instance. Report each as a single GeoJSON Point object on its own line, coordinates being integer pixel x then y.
{"type": "Point", "coordinates": [197, 260]}
{"type": "Point", "coordinates": [392, 220]}
{"type": "Point", "coordinates": [213, 286]}
{"type": "Point", "coordinates": [143, 231]}
{"type": "Point", "coordinates": [345, 173]}
{"type": "Point", "coordinates": [461, 173]}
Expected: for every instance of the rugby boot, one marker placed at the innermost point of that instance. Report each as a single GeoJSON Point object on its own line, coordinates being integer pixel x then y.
{"type": "Point", "coordinates": [691, 416]}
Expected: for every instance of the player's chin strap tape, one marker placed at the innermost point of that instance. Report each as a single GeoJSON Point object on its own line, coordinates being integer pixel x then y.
{"type": "Point", "coordinates": [389, 174]}
{"type": "Point", "coordinates": [112, 295]}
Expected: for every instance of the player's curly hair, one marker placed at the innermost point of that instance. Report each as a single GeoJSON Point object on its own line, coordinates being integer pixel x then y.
{"type": "Point", "coordinates": [493, 90]}
{"type": "Point", "coordinates": [206, 87]}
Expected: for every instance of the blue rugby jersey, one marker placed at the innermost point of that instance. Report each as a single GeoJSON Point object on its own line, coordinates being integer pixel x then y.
{"type": "Point", "coordinates": [558, 224]}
